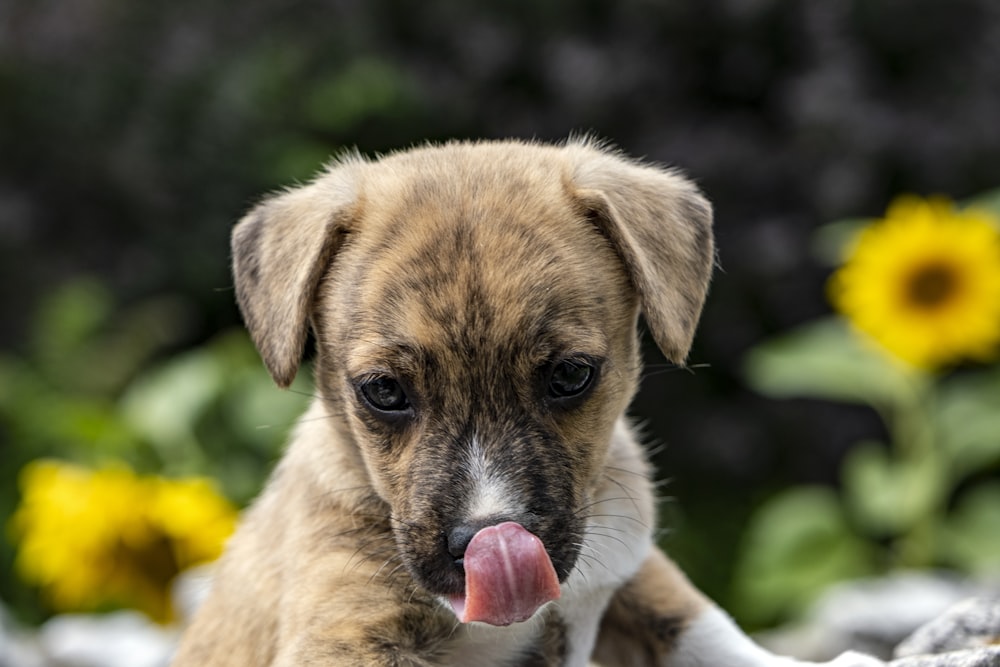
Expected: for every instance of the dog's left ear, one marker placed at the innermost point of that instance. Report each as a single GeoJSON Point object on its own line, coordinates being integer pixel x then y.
{"type": "Point", "coordinates": [280, 250]}
{"type": "Point", "coordinates": [661, 226]}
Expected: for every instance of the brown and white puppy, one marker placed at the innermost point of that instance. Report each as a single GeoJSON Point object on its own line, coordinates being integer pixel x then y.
{"type": "Point", "coordinates": [465, 489]}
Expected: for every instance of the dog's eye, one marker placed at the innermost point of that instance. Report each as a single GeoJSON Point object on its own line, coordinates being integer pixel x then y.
{"type": "Point", "coordinates": [570, 378]}
{"type": "Point", "coordinates": [384, 393]}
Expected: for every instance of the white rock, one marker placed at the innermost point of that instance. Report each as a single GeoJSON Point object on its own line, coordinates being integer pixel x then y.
{"type": "Point", "coordinates": [120, 639]}
{"type": "Point", "coordinates": [870, 616]}
{"type": "Point", "coordinates": [17, 647]}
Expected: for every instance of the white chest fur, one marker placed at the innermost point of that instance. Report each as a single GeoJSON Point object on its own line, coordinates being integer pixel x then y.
{"type": "Point", "coordinates": [620, 524]}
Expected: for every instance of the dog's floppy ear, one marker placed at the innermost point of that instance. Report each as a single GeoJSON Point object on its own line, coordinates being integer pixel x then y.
{"type": "Point", "coordinates": [280, 250]}
{"type": "Point", "coordinates": [661, 227]}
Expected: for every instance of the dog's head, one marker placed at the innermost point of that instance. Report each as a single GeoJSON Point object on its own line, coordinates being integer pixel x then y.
{"type": "Point", "coordinates": [474, 308]}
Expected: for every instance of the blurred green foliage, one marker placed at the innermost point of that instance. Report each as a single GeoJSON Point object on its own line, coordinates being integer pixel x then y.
{"type": "Point", "coordinates": [896, 507]}
{"type": "Point", "coordinates": [96, 387]}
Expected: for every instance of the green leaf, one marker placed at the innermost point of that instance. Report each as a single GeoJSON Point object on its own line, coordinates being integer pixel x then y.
{"type": "Point", "coordinates": [798, 543]}
{"type": "Point", "coordinates": [256, 413]}
{"type": "Point", "coordinates": [826, 360]}
{"type": "Point", "coordinates": [260, 414]}
{"type": "Point", "coordinates": [988, 201]}
{"type": "Point", "coordinates": [888, 497]}
{"type": "Point", "coordinates": [164, 405]}
{"type": "Point", "coordinates": [67, 323]}
{"type": "Point", "coordinates": [968, 421]}
{"type": "Point", "coordinates": [971, 539]}
{"type": "Point", "coordinates": [832, 242]}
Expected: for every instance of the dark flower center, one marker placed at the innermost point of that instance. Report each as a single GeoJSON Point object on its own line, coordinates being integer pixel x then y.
{"type": "Point", "coordinates": [932, 285]}
{"type": "Point", "coordinates": [149, 566]}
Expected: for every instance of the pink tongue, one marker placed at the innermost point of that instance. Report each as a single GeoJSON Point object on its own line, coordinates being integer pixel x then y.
{"type": "Point", "coordinates": [508, 576]}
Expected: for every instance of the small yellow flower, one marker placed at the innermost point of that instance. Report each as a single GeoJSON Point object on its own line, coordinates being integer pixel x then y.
{"type": "Point", "coordinates": [100, 538]}
{"type": "Point", "coordinates": [924, 282]}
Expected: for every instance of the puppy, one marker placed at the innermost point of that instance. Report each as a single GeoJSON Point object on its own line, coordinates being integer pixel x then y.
{"type": "Point", "coordinates": [465, 489]}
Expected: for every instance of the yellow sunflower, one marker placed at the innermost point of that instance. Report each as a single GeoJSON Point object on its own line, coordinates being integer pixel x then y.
{"type": "Point", "coordinates": [924, 283]}
{"type": "Point", "coordinates": [102, 538]}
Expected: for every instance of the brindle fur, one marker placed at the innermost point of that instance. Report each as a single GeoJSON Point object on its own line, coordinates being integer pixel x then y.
{"type": "Point", "coordinates": [462, 270]}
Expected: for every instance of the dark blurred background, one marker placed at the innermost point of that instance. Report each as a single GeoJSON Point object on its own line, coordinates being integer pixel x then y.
{"type": "Point", "coordinates": [133, 134]}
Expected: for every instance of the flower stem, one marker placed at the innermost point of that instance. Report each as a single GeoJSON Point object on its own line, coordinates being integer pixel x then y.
{"type": "Point", "coordinates": [918, 461]}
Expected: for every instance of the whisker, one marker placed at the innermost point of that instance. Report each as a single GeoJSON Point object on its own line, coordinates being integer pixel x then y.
{"type": "Point", "coordinates": [413, 591]}
{"type": "Point", "coordinates": [660, 483]}
{"type": "Point", "coordinates": [348, 488]}
{"type": "Point", "coordinates": [593, 557]}
{"type": "Point", "coordinates": [627, 492]}
{"type": "Point", "coordinates": [611, 537]}
{"type": "Point", "coordinates": [583, 508]}
{"type": "Point", "coordinates": [627, 471]}
{"type": "Point", "coordinates": [297, 420]}
{"type": "Point", "coordinates": [661, 533]}
{"type": "Point", "coordinates": [302, 392]}
{"type": "Point", "coordinates": [368, 553]}
{"type": "Point", "coordinates": [606, 527]}
{"type": "Point", "coordinates": [387, 517]}
{"type": "Point", "coordinates": [617, 516]}
{"type": "Point", "coordinates": [382, 566]}
{"type": "Point", "coordinates": [350, 531]}
{"type": "Point", "coordinates": [403, 522]}
{"type": "Point", "coordinates": [655, 449]}
{"type": "Point", "coordinates": [663, 369]}
{"type": "Point", "coordinates": [390, 576]}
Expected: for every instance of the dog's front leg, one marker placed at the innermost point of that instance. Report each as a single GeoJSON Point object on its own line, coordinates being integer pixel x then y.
{"type": "Point", "coordinates": [659, 619]}
{"type": "Point", "coordinates": [356, 624]}
{"type": "Point", "coordinates": [647, 617]}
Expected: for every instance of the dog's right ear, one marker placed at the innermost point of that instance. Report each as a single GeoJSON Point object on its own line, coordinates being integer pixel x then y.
{"type": "Point", "coordinates": [280, 250]}
{"type": "Point", "coordinates": [661, 226]}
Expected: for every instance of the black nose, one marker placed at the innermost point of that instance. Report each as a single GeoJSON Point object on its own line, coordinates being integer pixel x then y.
{"type": "Point", "coordinates": [459, 538]}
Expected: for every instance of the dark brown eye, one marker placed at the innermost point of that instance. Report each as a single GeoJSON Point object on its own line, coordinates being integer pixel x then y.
{"type": "Point", "coordinates": [384, 394]}
{"type": "Point", "coordinates": [570, 378]}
